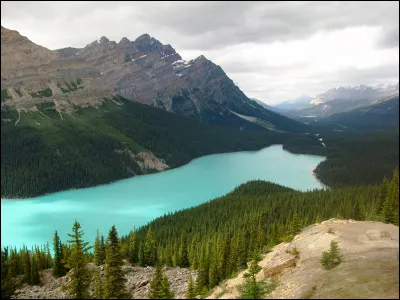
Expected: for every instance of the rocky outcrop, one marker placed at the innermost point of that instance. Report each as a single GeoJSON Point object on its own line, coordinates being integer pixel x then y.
{"type": "Point", "coordinates": [369, 269]}
{"type": "Point", "coordinates": [33, 74]}
{"type": "Point", "coordinates": [138, 283]}
{"type": "Point", "coordinates": [278, 264]}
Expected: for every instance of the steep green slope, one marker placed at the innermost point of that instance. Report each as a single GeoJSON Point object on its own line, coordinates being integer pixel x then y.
{"type": "Point", "coordinates": [42, 153]}
{"type": "Point", "coordinates": [353, 158]}
{"type": "Point", "coordinates": [382, 115]}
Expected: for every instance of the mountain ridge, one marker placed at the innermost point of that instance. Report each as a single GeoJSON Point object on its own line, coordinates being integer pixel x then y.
{"type": "Point", "coordinates": [143, 70]}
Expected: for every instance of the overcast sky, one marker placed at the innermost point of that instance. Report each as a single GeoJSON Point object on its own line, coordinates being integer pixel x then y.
{"type": "Point", "coordinates": [273, 51]}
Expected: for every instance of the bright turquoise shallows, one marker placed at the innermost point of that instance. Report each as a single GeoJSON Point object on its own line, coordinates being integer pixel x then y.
{"type": "Point", "coordinates": [138, 200]}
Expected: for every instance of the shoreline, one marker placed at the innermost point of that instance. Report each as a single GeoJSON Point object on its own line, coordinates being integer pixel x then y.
{"type": "Point", "coordinates": [317, 179]}
{"type": "Point", "coordinates": [158, 172]}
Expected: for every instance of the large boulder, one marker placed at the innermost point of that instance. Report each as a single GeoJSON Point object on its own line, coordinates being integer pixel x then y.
{"type": "Point", "coordinates": [278, 264]}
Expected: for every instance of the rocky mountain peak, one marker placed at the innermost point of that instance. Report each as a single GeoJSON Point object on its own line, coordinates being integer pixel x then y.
{"type": "Point", "coordinates": [103, 40]}
{"type": "Point", "coordinates": [145, 43]}
{"type": "Point", "coordinates": [124, 41]}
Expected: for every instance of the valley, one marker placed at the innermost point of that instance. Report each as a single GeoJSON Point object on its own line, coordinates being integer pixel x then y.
{"type": "Point", "coordinates": [244, 150]}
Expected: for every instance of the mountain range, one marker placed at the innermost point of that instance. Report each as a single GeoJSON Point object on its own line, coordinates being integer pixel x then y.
{"type": "Point", "coordinates": [143, 70]}
{"type": "Point", "coordinates": [342, 99]}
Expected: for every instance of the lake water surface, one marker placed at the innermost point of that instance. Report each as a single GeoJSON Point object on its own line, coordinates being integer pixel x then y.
{"type": "Point", "coordinates": [138, 200]}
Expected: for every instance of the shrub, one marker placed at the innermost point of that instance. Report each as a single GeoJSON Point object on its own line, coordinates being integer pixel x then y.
{"type": "Point", "coordinates": [331, 258]}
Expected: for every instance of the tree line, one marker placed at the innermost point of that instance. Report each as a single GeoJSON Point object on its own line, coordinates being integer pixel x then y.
{"type": "Point", "coordinates": [217, 238]}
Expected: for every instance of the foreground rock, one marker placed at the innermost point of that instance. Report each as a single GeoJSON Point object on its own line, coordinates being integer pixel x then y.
{"type": "Point", "coordinates": [370, 267]}
{"type": "Point", "coordinates": [138, 283]}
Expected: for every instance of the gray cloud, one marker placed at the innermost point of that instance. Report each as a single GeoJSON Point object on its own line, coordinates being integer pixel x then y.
{"type": "Point", "coordinates": [217, 28]}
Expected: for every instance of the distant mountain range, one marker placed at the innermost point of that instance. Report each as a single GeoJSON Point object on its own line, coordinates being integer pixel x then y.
{"type": "Point", "coordinates": [382, 115]}
{"type": "Point", "coordinates": [295, 104]}
{"type": "Point", "coordinates": [143, 70]}
{"type": "Point", "coordinates": [342, 99]}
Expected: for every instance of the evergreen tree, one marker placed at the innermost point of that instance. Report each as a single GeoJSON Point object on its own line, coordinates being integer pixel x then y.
{"type": "Point", "coordinates": [115, 280]}
{"type": "Point", "coordinates": [253, 289]}
{"type": "Point", "coordinates": [190, 292]}
{"type": "Point", "coordinates": [357, 215]}
{"type": "Point", "coordinates": [99, 285]}
{"type": "Point", "coordinates": [295, 226]}
{"type": "Point", "coordinates": [58, 267]}
{"type": "Point", "coordinates": [132, 251]}
{"type": "Point", "coordinates": [166, 288]}
{"type": "Point", "coordinates": [35, 278]}
{"type": "Point", "coordinates": [98, 250]}
{"type": "Point", "coordinates": [183, 251]}
{"type": "Point", "coordinates": [331, 258]}
{"type": "Point", "coordinates": [78, 287]}
{"type": "Point", "coordinates": [159, 286]}
{"type": "Point", "coordinates": [27, 268]}
{"type": "Point", "coordinates": [142, 262]}
{"type": "Point", "coordinates": [8, 284]}
{"type": "Point", "coordinates": [150, 249]}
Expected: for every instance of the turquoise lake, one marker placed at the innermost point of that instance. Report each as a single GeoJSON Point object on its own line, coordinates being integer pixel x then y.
{"type": "Point", "coordinates": [138, 200]}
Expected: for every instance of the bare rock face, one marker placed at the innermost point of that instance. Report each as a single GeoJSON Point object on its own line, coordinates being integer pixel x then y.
{"type": "Point", "coordinates": [33, 74]}
{"type": "Point", "coordinates": [138, 283]}
{"type": "Point", "coordinates": [142, 70]}
{"type": "Point", "coordinates": [278, 264]}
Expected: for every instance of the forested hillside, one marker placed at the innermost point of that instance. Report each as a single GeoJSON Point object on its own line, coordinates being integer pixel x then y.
{"type": "Point", "coordinates": [353, 158]}
{"type": "Point", "coordinates": [42, 153]}
{"type": "Point", "coordinates": [218, 237]}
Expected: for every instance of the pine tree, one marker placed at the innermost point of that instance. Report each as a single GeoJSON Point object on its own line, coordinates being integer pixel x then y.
{"type": "Point", "coordinates": [331, 258]}
{"type": "Point", "coordinates": [98, 292]}
{"type": "Point", "coordinates": [58, 267]}
{"type": "Point", "coordinates": [190, 292]}
{"type": "Point", "coordinates": [183, 251]}
{"type": "Point", "coordinates": [166, 288]}
{"type": "Point", "coordinates": [115, 280]}
{"type": "Point", "coordinates": [357, 215]}
{"type": "Point", "coordinates": [150, 249]}
{"type": "Point", "coordinates": [383, 192]}
{"type": "Point", "coordinates": [132, 251]}
{"type": "Point", "coordinates": [27, 268]}
{"type": "Point", "coordinates": [295, 226]}
{"type": "Point", "coordinates": [78, 287]}
{"type": "Point", "coordinates": [202, 276]}
{"type": "Point", "coordinates": [142, 262]}
{"type": "Point", "coordinates": [159, 286]}
{"type": "Point", "coordinates": [35, 278]}
{"type": "Point", "coordinates": [252, 289]}
{"type": "Point", "coordinates": [97, 251]}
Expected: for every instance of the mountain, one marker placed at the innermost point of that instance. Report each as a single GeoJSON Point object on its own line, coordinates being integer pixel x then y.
{"type": "Point", "coordinates": [143, 70]}
{"type": "Point", "coordinates": [149, 72]}
{"type": "Point", "coordinates": [377, 116]}
{"type": "Point", "coordinates": [266, 106]}
{"type": "Point", "coordinates": [32, 74]}
{"type": "Point", "coordinates": [344, 99]}
{"type": "Point", "coordinates": [295, 104]}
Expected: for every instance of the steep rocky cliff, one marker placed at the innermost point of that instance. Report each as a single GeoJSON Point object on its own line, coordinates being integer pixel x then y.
{"type": "Point", "coordinates": [142, 70]}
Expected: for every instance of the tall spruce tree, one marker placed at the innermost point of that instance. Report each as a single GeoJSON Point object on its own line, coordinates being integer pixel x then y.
{"type": "Point", "coordinates": [80, 276]}
{"type": "Point", "coordinates": [253, 289]}
{"type": "Point", "coordinates": [58, 266]}
{"type": "Point", "coordinates": [159, 286]}
{"type": "Point", "coordinates": [150, 249]}
{"type": "Point", "coordinates": [115, 280]}
{"type": "Point", "coordinates": [98, 258]}
{"type": "Point", "coordinates": [35, 278]}
{"type": "Point", "coordinates": [191, 291]}
{"type": "Point", "coordinates": [183, 251]}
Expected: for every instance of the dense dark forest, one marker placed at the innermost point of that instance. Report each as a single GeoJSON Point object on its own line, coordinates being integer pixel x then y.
{"type": "Point", "coordinates": [217, 238]}
{"type": "Point", "coordinates": [353, 158]}
{"type": "Point", "coordinates": [45, 154]}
